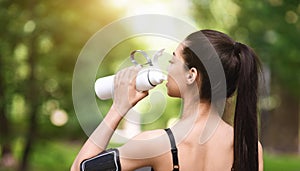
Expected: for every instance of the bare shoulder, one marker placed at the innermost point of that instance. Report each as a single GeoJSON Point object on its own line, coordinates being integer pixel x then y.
{"type": "Point", "coordinates": [260, 157]}
{"type": "Point", "coordinates": [152, 134]}
{"type": "Point", "coordinates": [143, 150]}
{"type": "Point", "coordinates": [260, 148]}
{"type": "Point", "coordinates": [226, 131]}
{"type": "Point", "coordinates": [226, 126]}
{"type": "Point", "coordinates": [147, 144]}
{"type": "Point", "coordinates": [221, 143]}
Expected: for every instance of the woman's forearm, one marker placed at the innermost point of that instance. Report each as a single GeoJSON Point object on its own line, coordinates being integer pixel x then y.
{"type": "Point", "coordinates": [125, 97]}
{"type": "Point", "coordinates": [99, 139]}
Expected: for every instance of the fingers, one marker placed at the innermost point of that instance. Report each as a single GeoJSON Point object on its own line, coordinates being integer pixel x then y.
{"type": "Point", "coordinates": [138, 97]}
{"type": "Point", "coordinates": [124, 81]}
{"type": "Point", "coordinates": [125, 94]}
{"type": "Point", "coordinates": [127, 75]}
{"type": "Point", "coordinates": [141, 94]}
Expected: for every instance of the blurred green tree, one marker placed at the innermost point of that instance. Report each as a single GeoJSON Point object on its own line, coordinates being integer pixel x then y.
{"type": "Point", "coordinates": [40, 42]}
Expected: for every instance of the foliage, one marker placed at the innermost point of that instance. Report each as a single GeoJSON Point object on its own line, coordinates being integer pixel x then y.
{"type": "Point", "coordinates": [40, 42]}
{"type": "Point", "coordinates": [271, 27]}
{"type": "Point", "coordinates": [277, 29]}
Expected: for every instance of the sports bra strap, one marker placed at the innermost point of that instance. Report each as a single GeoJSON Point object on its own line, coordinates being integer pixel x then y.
{"type": "Point", "coordinates": [173, 149]}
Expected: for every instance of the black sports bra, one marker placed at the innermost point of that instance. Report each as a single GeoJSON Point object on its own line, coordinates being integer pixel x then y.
{"type": "Point", "coordinates": [174, 150]}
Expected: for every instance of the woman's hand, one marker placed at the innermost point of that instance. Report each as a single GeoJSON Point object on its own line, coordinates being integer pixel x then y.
{"type": "Point", "coordinates": [125, 93]}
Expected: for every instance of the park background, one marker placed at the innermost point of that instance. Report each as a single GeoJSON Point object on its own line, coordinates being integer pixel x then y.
{"type": "Point", "coordinates": [41, 40]}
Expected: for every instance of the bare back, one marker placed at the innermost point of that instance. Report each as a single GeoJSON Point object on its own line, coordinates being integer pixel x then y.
{"type": "Point", "coordinates": [215, 154]}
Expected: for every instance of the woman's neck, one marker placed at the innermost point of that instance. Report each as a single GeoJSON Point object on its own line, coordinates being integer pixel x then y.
{"type": "Point", "coordinates": [195, 106]}
{"type": "Point", "coordinates": [197, 114]}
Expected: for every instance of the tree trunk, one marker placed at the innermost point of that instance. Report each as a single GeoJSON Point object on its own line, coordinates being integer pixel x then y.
{"type": "Point", "coordinates": [281, 125]}
{"type": "Point", "coordinates": [33, 102]}
{"type": "Point", "coordinates": [29, 142]}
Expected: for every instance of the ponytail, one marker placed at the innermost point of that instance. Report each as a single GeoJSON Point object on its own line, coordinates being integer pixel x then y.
{"type": "Point", "coordinates": [245, 119]}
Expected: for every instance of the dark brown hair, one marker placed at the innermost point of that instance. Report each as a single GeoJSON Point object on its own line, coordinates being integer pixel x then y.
{"type": "Point", "coordinates": [240, 65]}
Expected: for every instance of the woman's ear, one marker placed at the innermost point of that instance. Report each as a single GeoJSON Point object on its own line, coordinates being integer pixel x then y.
{"type": "Point", "coordinates": [191, 75]}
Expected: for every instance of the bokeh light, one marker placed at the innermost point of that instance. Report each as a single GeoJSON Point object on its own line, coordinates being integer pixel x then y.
{"type": "Point", "coordinates": [59, 117]}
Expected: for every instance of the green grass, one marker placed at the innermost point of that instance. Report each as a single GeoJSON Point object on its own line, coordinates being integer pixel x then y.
{"type": "Point", "coordinates": [48, 155]}
{"type": "Point", "coordinates": [53, 156]}
{"type": "Point", "coordinates": [281, 162]}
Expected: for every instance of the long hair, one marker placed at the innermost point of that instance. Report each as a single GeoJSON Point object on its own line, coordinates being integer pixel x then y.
{"type": "Point", "coordinates": [240, 65]}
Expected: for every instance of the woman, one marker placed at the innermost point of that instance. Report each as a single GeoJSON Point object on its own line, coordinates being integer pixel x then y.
{"type": "Point", "coordinates": [201, 140]}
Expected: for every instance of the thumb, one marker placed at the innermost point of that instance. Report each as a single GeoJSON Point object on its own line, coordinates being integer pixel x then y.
{"type": "Point", "coordinates": [140, 95]}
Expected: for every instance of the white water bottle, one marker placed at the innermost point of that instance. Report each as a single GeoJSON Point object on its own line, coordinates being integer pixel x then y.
{"type": "Point", "coordinates": [147, 78]}
{"type": "Point", "coordinates": [104, 87]}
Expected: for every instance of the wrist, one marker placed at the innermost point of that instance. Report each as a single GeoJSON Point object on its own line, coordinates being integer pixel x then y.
{"type": "Point", "coordinates": [119, 109]}
{"type": "Point", "coordinates": [113, 118]}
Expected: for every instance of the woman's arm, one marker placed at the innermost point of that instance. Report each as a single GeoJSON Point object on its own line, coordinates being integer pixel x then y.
{"type": "Point", "coordinates": [99, 139]}
{"type": "Point", "coordinates": [125, 97]}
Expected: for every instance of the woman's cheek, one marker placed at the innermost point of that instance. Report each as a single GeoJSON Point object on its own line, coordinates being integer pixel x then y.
{"type": "Point", "coordinates": [172, 88]}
